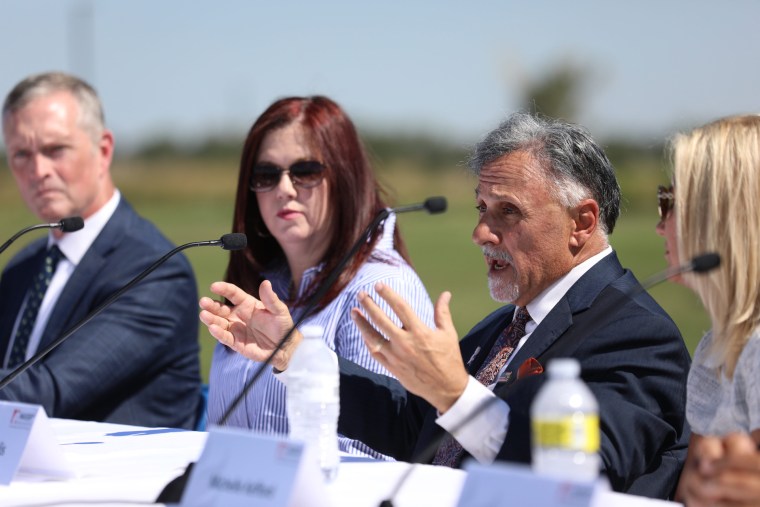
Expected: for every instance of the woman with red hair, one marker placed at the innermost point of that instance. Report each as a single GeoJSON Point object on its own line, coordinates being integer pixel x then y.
{"type": "Point", "coordinates": [306, 192]}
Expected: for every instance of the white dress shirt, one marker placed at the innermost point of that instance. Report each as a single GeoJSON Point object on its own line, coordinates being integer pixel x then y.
{"type": "Point", "coordinates": [73, 246]}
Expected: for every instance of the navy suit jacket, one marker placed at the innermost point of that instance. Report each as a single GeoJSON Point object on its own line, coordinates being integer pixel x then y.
{"type": "Point", "coordinates": [631, 355]}
{"type": "Point", "coordinates": [134, 363]}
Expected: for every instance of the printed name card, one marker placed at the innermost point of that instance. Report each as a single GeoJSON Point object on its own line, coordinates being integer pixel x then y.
{"type": "Point", "coordinates": [28, 445]}
{"type": "Point", "coordinates": [241, 468]}
{"type": "Point", "coordinates": [506, 485]}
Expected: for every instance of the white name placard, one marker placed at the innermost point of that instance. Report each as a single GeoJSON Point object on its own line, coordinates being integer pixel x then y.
{"type": "Point", "coordinates": [241, 468]}
{"type": "Point", "coordinates": [28, 445]}
{"type": "Point", "coordinates": [507, 485]}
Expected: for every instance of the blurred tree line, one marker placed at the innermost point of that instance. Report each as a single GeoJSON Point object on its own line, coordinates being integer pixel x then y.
{"type": "Point", "coordinates": [187, 189]}
{"type": "Point", "coordinates": [557, 93]}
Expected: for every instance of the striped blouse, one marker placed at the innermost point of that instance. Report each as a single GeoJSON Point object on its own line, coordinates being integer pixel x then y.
{"type": "Point", "coordinates": [263, 409]}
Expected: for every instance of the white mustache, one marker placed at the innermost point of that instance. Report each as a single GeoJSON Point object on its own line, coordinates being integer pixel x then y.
{"type": "Point", "coordinates": [496, 254]}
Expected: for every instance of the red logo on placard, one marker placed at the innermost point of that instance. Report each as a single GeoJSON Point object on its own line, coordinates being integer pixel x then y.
{"type": "Point", "coordinates": [21, 419]}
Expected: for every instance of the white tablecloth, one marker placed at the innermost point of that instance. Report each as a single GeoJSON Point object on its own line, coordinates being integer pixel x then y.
{"type": "Point", "coordinates": [125, 465]}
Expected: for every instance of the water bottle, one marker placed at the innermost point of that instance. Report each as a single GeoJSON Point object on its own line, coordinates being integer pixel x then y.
{"type": "Point", "coordinates": [565, 425]}
{"type": "Point", "coordinates": [313, 400]}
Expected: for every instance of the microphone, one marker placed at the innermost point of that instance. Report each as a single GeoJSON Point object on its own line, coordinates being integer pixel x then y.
{"type": "Point", "coordinates": [432, 205]}
{"type": "Point", "coordinates": [700, 264]}
{"type": "Point", "coordinates": [172, 493]}
{"type": "Point", "coordinates": [68, 224]}
{"type": "Point", "coordinates": [234, 241]}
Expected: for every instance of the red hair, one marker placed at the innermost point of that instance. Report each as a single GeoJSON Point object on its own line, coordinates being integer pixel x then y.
{"type": "Point", "coordinates": [355, 195]}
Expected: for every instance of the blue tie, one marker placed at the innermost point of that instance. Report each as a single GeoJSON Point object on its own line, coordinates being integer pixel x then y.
{"type": "Point", "coordinates": [34, 298]}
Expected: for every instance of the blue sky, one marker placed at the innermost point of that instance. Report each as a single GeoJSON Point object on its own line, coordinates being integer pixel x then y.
{"type": "Point", "coordinates": [184, 69]}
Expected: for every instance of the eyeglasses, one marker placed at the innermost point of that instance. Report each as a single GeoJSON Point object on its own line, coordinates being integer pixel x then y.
{"type": "Point", "coordinates": [665, 201]}
{"type": "Point", "coordinates": [303, 174]}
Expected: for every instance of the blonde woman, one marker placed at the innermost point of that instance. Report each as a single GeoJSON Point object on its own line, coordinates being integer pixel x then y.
{"type": "Point", "coordinates": [714, 207]}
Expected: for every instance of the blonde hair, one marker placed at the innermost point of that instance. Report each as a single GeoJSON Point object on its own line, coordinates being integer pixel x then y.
{"type": "Point", "coordinates": [717, 191]}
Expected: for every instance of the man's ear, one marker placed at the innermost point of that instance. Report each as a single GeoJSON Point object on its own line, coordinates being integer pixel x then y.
{"type": "Point", "coordinates": [106, 148]}
{"type": "Point", "coordinates": [586, 220]}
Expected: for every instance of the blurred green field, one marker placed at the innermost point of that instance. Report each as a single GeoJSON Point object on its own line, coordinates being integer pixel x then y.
{"type": "Point", "coordinates": [190, 199]}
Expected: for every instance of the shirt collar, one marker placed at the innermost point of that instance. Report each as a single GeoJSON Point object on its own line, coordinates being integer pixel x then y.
{"type": "Point", "coordinates": [279, 274]}
{"type": "Point", "coordinates": [542, 304]}
{"type": "Point", "coordinates": [75, 245]}
{"type": "Point", "coordinates": [386, 239]}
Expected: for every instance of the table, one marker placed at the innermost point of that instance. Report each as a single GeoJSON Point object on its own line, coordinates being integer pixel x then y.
{"type": "Point", "coordinates": [120, 465]}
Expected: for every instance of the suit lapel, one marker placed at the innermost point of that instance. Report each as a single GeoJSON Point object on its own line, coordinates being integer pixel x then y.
{"type": "Point", "coordinates": [552, 327]}
{"type": "Point", "coordinates": [559, 320]}
{"type": "Point", "coordinates": [71, 306]}
{"type": "Point", "coordinates": [19, 279]}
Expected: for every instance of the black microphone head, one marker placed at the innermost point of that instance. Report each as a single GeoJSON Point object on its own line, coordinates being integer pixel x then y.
{"type": "Point", "coordinates": [234, 241]}
{"type": "Point", "coordinates": [705, 262]}
{"type": "Point", "coordinates": [71, 224]}
{"type": "Point", "coordinates": [435, 204]}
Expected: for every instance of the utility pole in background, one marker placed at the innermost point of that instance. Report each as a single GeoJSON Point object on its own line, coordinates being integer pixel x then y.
{"type": "Point", "coordinates": [81, 40]}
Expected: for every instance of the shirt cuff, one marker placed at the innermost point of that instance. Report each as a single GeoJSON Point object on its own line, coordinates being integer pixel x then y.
{"type": "Point", "coordinates": [483, 434]}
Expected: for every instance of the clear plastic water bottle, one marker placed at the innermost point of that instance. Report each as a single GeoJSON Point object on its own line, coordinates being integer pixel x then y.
{"type": "Point", "coordinates": [565, 425]}
{"type": "Point", "coordinates": [313, 402]}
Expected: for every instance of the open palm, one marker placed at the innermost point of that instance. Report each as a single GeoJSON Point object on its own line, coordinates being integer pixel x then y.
{"type": "Point", "coordinates": [252, 327]}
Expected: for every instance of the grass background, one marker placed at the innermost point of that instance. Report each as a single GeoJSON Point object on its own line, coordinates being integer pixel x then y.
{"type": "Point", "coordinates": [190, 198]}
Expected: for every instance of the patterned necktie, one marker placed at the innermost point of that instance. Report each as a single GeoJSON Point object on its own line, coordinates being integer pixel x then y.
{"type": "Point", "coordinates": [450, 452]}
{"type": "Point", "coordinates": [34, 298]}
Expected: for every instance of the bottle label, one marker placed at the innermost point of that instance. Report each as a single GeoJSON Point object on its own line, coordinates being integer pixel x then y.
{"type": "Point", "coordinates": [578, 432]}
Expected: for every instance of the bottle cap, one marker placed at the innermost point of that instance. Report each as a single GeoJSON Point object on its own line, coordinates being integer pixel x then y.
{"type": "Point", "coordinates": [566, 367]}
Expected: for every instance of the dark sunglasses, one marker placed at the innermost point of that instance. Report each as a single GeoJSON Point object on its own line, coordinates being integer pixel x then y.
{"type": "Point", "coordinates": [303, 174]}
{"type": "Point", "coordinates": [665, 201]}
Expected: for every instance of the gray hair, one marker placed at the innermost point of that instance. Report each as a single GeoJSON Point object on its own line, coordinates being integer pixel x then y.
{"type": "Point", "coordinates": [91, 117]}
{"type": "Point", "coordinates": [575, 166]}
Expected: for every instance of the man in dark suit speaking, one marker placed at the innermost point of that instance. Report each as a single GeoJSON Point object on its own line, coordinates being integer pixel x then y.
{"type": "Point", "coordinates": [546, 198]}
{"type": "Point", "coordinates": [137, 361]}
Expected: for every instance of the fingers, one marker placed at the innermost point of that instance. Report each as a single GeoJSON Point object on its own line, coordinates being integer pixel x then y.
{"type": "Point", "coordinates": [708, 450]}
{"type": "Point", "coordinates": [730, 475]}
{"type": "Point", "coordinates": [374, 313]}
{"type": "Point", "coordinates": [382, 322]}
{"type": "Point", "coordinates": [215, 316]}
{"type": "Point", "coordinates": [401, 308]}
{"type": "Point", "coordinates": [741, 453]}
{"type": "Point", "coordinates": [379, 330]}
{"type": "Point", "coordinates": [218, 327]}
{"type": "Point", "coordinates": [214, 307]}
{"type": "Point", "coordinates": [219, 317]}
{"type": "Point", "coordinates": [739, 443]}
{"type": "Point", "coordinates": [270, 299]}
{"type": "Point", "coordinates": [374, 341]}
{"type": "Point", "coordinates": [442, 315]}
{"type": "Point", "coordinates": [231, 292]}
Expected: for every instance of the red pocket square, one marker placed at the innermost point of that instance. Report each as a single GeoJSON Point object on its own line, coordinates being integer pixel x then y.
{"type": "Point", "coordinates": [529, 367]}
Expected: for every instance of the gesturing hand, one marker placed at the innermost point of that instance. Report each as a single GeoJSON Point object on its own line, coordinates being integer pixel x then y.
{"type": "Point", "coordinates": [251, 327]}
{"type": "Point", "coordinates": [721, 472]}
{"type": "Point", "coordinates": [426, 361]}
